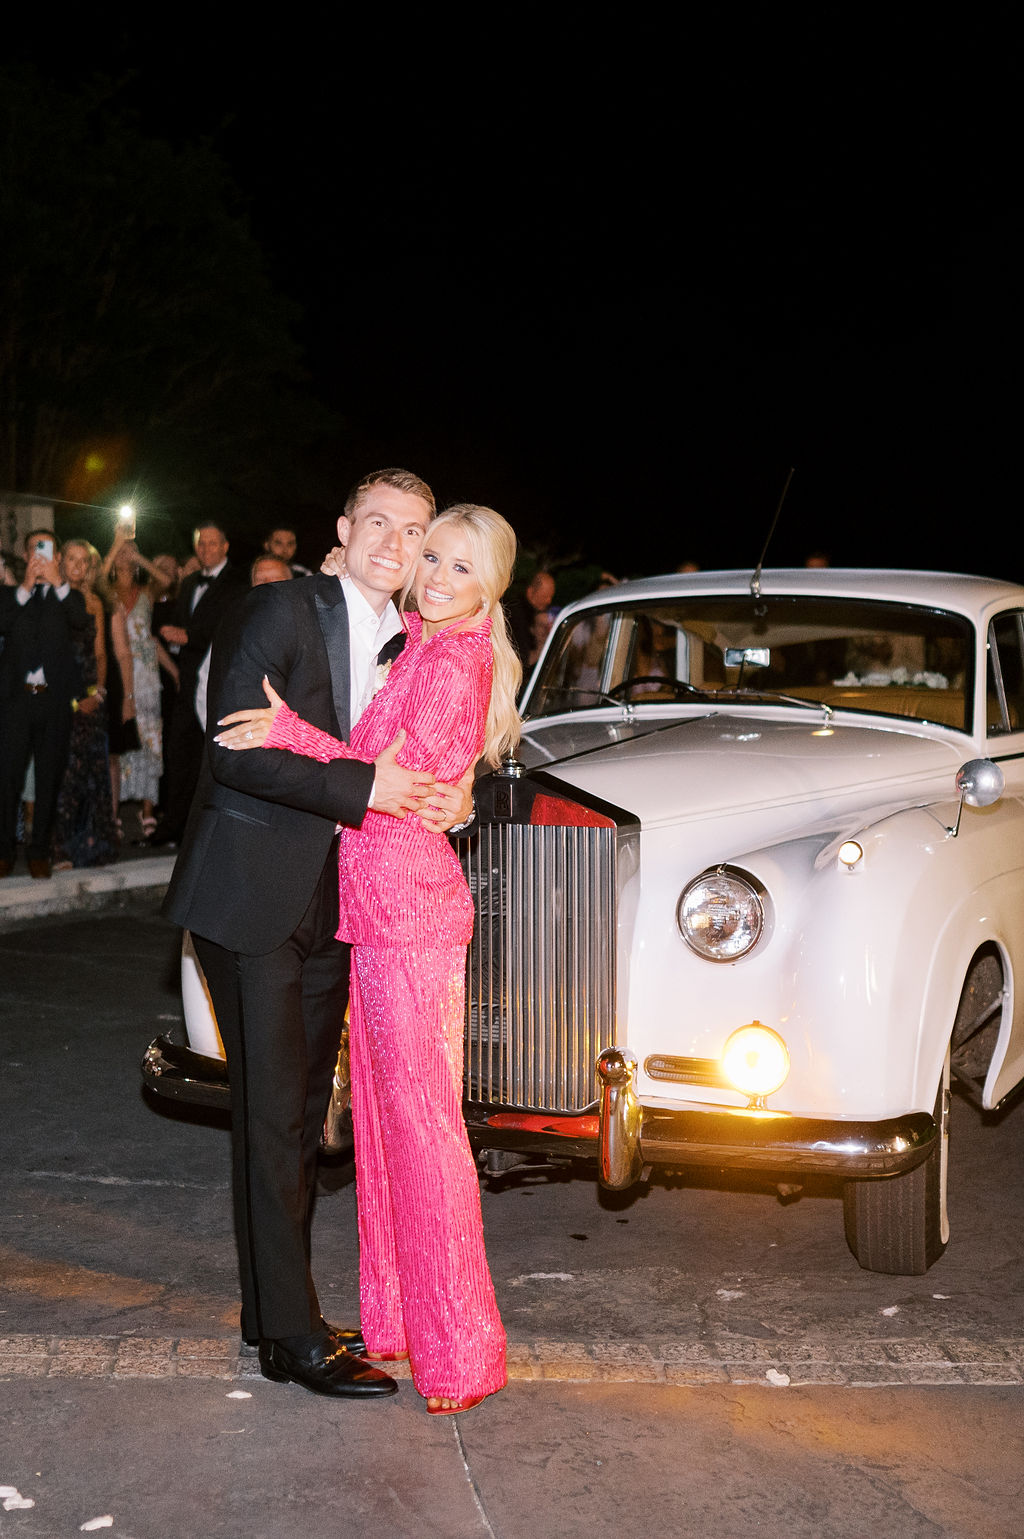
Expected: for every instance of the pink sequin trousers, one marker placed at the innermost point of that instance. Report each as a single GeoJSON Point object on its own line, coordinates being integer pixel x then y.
{"type": "Point", "coordinates": [424, 1283]}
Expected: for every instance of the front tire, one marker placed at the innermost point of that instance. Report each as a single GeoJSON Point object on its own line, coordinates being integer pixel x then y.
{"type": "Point", "coordinates": [900, 1225]}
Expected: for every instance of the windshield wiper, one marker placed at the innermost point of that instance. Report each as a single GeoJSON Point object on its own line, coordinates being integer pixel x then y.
{"type": "Point", "coordinates": [621, 702]}
{"type": "Point", "coordinates": [775, 694]}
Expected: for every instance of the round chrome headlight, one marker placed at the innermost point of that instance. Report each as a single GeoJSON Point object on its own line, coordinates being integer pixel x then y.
{"type": "Point", "coordinates": [720, 915]}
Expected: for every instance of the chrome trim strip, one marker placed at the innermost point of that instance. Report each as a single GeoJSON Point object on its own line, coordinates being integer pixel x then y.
{"type": "Point", "coordinates": [686, 1071]}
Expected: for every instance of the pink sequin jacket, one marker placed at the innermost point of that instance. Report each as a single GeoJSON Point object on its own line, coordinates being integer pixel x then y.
{"type": "Point", "coordinates": [399, 884]}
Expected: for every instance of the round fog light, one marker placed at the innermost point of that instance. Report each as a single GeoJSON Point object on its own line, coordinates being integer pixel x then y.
{"type": "Point", "coordinates": [755, 1059]}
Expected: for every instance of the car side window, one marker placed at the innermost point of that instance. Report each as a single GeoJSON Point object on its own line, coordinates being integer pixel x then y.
{"type": "Point", "coordinates": [1004, 709]}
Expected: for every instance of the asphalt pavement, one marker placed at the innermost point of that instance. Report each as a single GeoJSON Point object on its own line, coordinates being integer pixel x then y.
{"type": "Point", "coordinates": [704, 1395]}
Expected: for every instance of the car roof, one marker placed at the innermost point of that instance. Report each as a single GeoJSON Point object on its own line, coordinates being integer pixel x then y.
{"type": "Point", "coordinates": [940, 590]}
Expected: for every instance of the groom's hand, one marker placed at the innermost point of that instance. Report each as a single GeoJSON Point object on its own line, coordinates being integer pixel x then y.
{"type": "Point", "coordinates": [397, 790]}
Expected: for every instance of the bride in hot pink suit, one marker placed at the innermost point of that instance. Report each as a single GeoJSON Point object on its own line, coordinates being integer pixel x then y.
{"type": "Point", "coordinates": [425, 1288]}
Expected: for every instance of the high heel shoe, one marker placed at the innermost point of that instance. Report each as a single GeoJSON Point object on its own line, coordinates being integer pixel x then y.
{"type": "Point", "coordinates": [148, 828]}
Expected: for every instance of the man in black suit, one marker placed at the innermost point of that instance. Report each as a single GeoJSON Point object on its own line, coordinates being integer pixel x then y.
{"type": "Point", "coordinates": [257, 885]}
{"type": "Point", "coordinates": [41, 620]}
{"type": "Point", "coordinates": [206, 597]}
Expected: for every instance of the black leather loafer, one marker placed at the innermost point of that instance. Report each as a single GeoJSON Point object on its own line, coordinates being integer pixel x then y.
{"type": "Point", "coordinates": [352, 1341]}
{"type": "Point", "coordinates": [325, 1370]}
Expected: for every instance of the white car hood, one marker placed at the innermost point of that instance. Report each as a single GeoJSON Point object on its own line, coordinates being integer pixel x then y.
{"type": "Point", "coordinates": [722, 763]}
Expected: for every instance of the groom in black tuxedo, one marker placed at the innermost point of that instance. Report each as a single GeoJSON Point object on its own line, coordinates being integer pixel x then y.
{"type": "Point", "coordinates": [257, 885]}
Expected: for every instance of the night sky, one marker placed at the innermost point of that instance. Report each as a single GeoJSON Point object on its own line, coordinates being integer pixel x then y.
{"type": "Point", "coordinates": [615, 278]}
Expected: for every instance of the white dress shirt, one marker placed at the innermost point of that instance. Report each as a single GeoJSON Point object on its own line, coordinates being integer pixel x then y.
{"type": "Point", "coordinates": [367, 632]}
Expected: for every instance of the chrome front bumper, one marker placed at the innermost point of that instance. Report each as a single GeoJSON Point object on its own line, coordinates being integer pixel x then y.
{"type": "Point", "coordinates": [179, 1074]}
{"type": "Point", "coordinates": [624, 1135]}
{"type": "Point", "coordinates": [633, 1135]}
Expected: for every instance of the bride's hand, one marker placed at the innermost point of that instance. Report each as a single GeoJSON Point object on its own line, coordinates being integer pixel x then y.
{"type": "Point", "coordinates": [249, 729]}
{"type": "Point", "coordinates": [333, 563]}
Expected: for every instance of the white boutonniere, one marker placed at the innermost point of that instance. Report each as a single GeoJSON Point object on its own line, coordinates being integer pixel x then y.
{"type": "Point", "coordinates": [380, 676]}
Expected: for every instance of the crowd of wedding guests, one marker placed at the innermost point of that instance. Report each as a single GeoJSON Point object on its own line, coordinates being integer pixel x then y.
{"type": "Point", "coordinates": [100, 659]}
{"type": "Point", "coordinates": [103, 664]}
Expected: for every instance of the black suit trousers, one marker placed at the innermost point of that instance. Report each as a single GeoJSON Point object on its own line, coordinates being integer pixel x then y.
{"type": "Point", "coordinates": [36, 727]}
{"type": "Point", "coordinates": [183, 757]}
{"type": "Point", "coordinates": [280, 1017]}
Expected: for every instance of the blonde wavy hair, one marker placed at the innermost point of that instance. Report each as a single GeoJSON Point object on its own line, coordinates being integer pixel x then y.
{"type": "Point", "coordinates": [96, 581]}
{"type": "Point", "coordinates": [492, 543]}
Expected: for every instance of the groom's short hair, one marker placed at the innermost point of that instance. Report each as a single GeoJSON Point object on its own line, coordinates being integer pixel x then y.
{"type": "Point", "coordinates": [401, 480]}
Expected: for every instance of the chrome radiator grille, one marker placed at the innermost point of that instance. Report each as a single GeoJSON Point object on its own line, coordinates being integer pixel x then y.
{"type": "Point", "coordinates": [540, 995]}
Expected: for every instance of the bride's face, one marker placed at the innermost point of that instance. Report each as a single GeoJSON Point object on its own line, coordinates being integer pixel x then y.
{"type": "Point", "coordinates": [446, 587]}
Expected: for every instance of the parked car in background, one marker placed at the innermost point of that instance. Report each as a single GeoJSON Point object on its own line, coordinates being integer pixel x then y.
{"type": "Point", "coordinates": [752, 895]}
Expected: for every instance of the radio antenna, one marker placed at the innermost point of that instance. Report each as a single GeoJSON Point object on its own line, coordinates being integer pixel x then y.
{"type": "Point", "coordinates": [755, 581]}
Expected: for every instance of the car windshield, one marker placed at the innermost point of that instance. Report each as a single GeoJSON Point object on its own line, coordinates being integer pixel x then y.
{"type": "Point", "coordinates": [849, 654]}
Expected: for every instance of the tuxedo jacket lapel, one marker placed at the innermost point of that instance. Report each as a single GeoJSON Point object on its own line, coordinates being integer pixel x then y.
{"type": "Point", "coordinates": [189, 587]}
{"type": "Point", "coordinates": [213, 585]}
{"type": "Point", "coordinates": [332, 613]}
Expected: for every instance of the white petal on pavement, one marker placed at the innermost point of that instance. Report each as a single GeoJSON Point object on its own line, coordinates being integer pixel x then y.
{"type": "Point", "coordinates": [13, 1500]}
{"type": "Point", "coordinates": [239, 1394]}
{"type": "Point", "coordinates": [893, 1309]}
{"type": "Point", "coordinates": [105, 1522]}
{"type": "Point", "coordinates": [542, 1277]}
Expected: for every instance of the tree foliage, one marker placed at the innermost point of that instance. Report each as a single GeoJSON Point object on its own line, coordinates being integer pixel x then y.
{"type": "Point", "coordinates": [135, 309]}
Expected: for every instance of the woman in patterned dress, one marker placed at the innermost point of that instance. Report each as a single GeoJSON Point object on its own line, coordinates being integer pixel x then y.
{"type": "Point", "coordinates": [425, 1288]}
{"type": "Point", "coordinates": [140, 769]}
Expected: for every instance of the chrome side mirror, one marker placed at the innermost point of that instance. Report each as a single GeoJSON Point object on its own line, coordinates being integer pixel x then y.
{"type": "Point", "coordinates": [979, 782]}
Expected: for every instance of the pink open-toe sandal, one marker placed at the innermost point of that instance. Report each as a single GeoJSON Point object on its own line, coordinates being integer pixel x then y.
{"type": "Point", "coordinates": [467, 1403]}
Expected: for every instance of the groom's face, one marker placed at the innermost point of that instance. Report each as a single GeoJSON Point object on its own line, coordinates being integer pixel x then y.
{"type": "Point", "coordinates": [382, 541]}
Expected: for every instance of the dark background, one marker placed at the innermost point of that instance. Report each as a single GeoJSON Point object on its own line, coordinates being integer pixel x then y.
{"type": "Point", "coordinates": [615, 274]}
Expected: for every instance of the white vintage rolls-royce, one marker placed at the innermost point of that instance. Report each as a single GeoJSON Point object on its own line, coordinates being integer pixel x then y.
{"type": "Point", "coordinates": [754, 889]}
{"type": "Point", "coordinates": [759, 891]}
